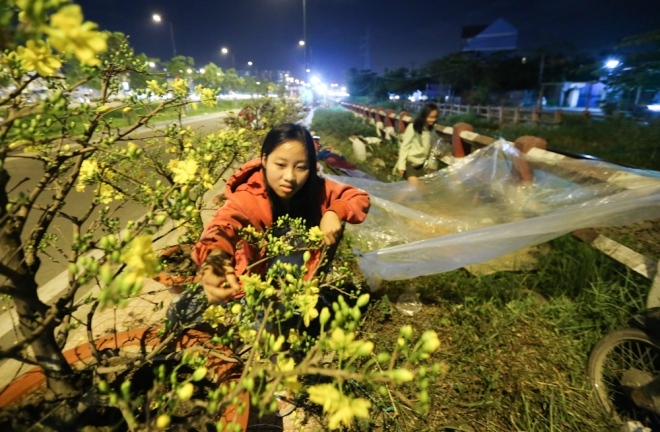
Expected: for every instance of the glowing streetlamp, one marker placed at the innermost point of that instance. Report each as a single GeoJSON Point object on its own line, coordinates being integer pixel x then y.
{"type": "Point", "coordinates": [612, 63]}
{"type": "Point", "coordinates": [249, 63]}
{"type": "Point", "coordinates": [226, 51]}
{"type": "Point", "coordinates": [301, 43]}
{"type": "Point", "coordinates": [157, 18]}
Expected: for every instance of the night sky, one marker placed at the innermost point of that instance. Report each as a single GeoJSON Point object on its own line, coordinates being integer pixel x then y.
{"type": "Point", "coordinates": [402, 33]}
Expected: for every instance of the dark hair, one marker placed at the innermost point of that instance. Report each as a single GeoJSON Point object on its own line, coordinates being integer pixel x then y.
{"type": "Point", "coordinates": [420, 122]}
{"type": "Point", "coordinates": [306, 203]}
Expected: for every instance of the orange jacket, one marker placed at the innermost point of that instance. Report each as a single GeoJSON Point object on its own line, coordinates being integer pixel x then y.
{"type": "Point", "coordinates": [248, 204]}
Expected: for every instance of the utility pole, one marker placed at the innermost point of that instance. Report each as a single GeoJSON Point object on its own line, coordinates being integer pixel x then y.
{"type": "Point", "coordinates": [541, 86]}
{"type": "Point", "coordinates": [172, 34]}
{"type": "Point", "coordinates": [365, 49]}
{"type": "Point", "coordinates": [305, 33]}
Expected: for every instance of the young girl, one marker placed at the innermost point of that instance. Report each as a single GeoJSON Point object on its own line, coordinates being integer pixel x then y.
{"type": "Point", "coordinates": [283, 181]}
{"type": "Point", "coordinates": [416, 144]}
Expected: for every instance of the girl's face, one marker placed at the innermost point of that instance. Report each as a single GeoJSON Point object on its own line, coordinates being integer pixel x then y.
{"type": "Point", "coordinates": [287, 169]}
{"type": "Point", "coordinates": [432, 118]}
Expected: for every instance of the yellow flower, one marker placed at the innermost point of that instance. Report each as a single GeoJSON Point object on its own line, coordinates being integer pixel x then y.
{"type": "Point", "coordinates": [88, 169]}
{"type": "Point", "coordinates": [215, 315]}
{"type": "Point", "coordinates": [340, 408]}
{"type": "Point", "coordinates": [140, 256]}
{"type": "Point", "coordinates": [294, 337]}
{"type": "Point", "coordinates": [207, 97]}
{"type": "Point", "coordinates": [184, 171]}
{"type": "Point", "coordinates": [180, 87]}
{"type": "Point", "coordinates": [68, 33]}
{"type": "Point", "coordinates": [286, 365]}
{"type": "Point", "coordinates": [307, 307]}
{"type": "Point", "coordinates": [107, 194]}
{"type": "Point", "coordinates": [38, 56]}
{"type": "Point", "coordinates": [154, 87]}
{"type": "Point", "coordinates": [207, 180]}
{"type": "Point", "coordinates": [315, 234]}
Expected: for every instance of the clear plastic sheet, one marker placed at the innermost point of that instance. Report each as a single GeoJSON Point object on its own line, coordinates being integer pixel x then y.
{"type": "Point", "coordinates": [479, 209]}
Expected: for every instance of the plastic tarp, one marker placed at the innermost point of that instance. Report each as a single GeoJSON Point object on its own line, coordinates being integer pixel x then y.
{"type": "Point", "coordinates": [479, 209]}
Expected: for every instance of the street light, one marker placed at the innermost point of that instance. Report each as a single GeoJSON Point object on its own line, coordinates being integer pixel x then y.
{"type": "Point", "coordinates": [301, 43]}
{"type": "Point", "coordinates": [233, 61]}
{"type": "Point", "coordinates": [249, 63]}
{"type": "Point", "coordinates": [157, 18]}
{"type": "Point", "coordinates": [612, 63]}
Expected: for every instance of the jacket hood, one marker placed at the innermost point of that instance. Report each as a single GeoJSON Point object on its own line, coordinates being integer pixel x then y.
{"type": "Point", "coordinates": [249, 177]}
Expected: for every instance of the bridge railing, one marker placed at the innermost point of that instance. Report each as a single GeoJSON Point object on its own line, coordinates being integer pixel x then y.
{"type": "Point", "coordinates": [500, 113]}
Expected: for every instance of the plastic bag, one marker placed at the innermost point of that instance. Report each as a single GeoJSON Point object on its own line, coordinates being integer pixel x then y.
{"type": "Point", "coordinates": [478, 209]}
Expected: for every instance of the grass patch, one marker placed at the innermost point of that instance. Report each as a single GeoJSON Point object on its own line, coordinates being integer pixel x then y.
{"type": "Point", "coordinates": [336, 125]}
{"type": "Point", "coordinates": [515, 345]}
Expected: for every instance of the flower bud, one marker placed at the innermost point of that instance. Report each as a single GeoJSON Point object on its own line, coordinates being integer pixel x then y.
{"type": "Point", "coordinates": [406, 331]}
{"type": "Point", "coordinates": [383, 357]}
{"type": "Point", "coordinates": [362, 300]}
{"type": "Point", "coordinates": [199, 373]}
{"type": "Point", "coordinates": [402, 375]}
{"type": "Point", "coordinates": [430, 341]}
{"type": "Point", "coordinates": [324, 316]}
{"type": "Point", "coordinates": [306, 256]}
{"type": "Point", "coordinates": [185, 392]}
{"type": "Point", "coordinates": [365, 349]}
{"type": "Point", "coordinates": [103, 386]}
{"type": "Point", "coordinates": [277, 346]}
{"type": "Point", "coordinates": [163, 421]}
{"type": "Point", "coordinates": [126, 389]}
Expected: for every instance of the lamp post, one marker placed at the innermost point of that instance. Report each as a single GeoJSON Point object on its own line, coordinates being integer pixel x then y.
{"type": "Point", "coordinates": [157, 18]}
{"type": "Point", "coordinates": [233, 61]}
{"type": "Point", "coordinates": [305, 32]}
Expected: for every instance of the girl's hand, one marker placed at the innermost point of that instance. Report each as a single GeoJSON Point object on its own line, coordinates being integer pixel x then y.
{"type": "Point", "coordinates": [402, 172]}
{"type": "Point", "coordinates": [331, 227]}
{"type": "Point", "coordinates": [218, 278]}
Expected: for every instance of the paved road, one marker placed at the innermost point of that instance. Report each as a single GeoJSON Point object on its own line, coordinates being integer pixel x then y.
{"type": "Point", "coordinates": [51, 277]}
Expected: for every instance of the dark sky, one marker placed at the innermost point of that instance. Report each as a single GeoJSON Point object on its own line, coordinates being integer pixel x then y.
{"type": "Point", "coordinates": [402, 33]}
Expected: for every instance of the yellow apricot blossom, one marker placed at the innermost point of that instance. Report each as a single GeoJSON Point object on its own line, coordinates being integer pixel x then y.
{"type": "Point", "coordinates": [286, 364]}
{"type": "Point", "coordinates": [207, 97]}
{"type": "Point", "coordinates": [107, 194]}
{"type": "Point", "coordinates": [68, 33]}
{"type": "Point", "coordinates": [140, 256]}
{"type": "Point", "coordinates": [307, 307]}
{"type": "Point", "coordinates": [88, 169]}
{"type": "Point", "coordinates": [184, 171]}
{"type": "Point", "coordinates": [315, 234]}
{"type": "Point", "coordinates": [154, 87]}
{"type": "Point", "coordinates": [207, 179]}
{"type": "Point", "coordinates": [340, 408]}
{"type": "Point", "coordinates": [179, 86]}
{"type": "Point", "coordinates": [37, 55]}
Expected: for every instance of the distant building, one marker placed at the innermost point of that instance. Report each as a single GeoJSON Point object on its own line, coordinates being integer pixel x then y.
{"type": "Point", "coordinates": [498, 36]}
